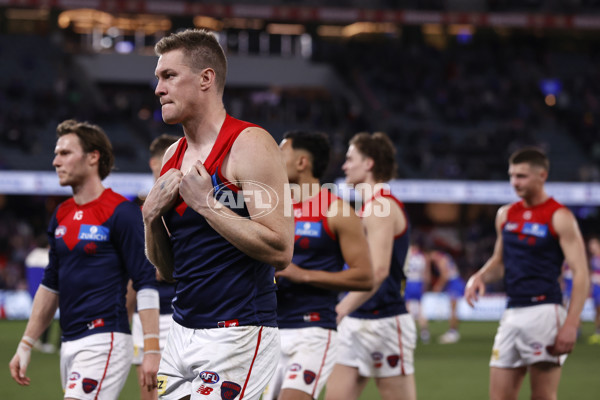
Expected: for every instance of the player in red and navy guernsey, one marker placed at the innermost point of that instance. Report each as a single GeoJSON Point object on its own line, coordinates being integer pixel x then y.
{"type": "Point", "coordinates": [377, 336]}
{"type": "Point", "coordinates": [328, 234]}
{"type": "Point", "coordinates": [535, 236]}
{"type": "Point", "coordinates": [215, 223]}
{"type": "Point", "coordinates": [96, 245]}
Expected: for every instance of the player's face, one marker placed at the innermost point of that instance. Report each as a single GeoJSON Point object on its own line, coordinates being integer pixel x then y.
{"type": "Point", "coordinates": [290, 157]}
{"type": "Point", "coordinates": [356, 166]}
{"type": "Point", "coordinates": [527, 180]}
{"type": "Point", "coordinates": [72, 164]}
{"type": "Point", "coordinates": [178, 88]}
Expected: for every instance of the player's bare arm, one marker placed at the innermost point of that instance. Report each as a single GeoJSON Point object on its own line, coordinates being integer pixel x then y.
{"type": "Point", "coordinates": [348, 229]}
{"type": "Point", "coordinates": [380, 229]}
{"type": "Point", "coordinates": [573, 247]}
{"type": "Point", "coordinates": [45, 304]}
{"type": "Point", "coordinates": [151, 360]}
{"type": "Point", "coordinates": [493, 269]}
{"type": "Point", "coordinates": [254, 157]}
{"type": "Point", "coordinates": [161, 198]}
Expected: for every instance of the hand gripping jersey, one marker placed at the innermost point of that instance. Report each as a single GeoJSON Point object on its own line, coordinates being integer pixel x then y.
{"type": "Point", "coordinates": [217, 284]}
{"type": "Point", "coordinates": [94, 249]}
{"type": "Point", "coordinates": [315, 248]}
{"type": "Point", "coordinates": [532, 255]}
{"type": "Point", "coordinates": [388, 300]}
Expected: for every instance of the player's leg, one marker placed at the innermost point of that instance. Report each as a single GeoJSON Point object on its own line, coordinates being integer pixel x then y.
{"type": "Point", "coordinates": [544, 378]}
{"type": "Point", "coordinates": [505, 383]}
{"type": "Point", "coordinates": [397, 387]}
{"type": "Point", "coordinates": [345, 383]}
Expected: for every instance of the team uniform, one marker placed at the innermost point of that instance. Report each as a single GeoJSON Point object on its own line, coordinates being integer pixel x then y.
{"type": "Point", "coordinates": [532, 260]}
{"type": "Point", "coordinates": [224, 340]}
{"type": "Point", "coordinates": [415, 275]}
{"type": "Point", "coordinates": [379, 338]}
{"type": "Point", "coordinates": [95, 248]}
{"type": "Point", "coordinates": [567, 276]}
{"type": "Point", "coordinates": [166, 292]}
{"type": "Point", "coordinates": [455, 287]}
{"type": "Point", "coordinates": [306, 314]}
{"type": "Point", "coordinates": [595, 278]}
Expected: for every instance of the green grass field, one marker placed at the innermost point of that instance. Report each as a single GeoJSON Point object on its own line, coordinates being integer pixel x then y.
{"type": "Point", "coordinates": [445, 372]}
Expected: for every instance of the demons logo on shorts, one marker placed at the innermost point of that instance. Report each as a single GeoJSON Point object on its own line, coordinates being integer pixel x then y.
{"type": "Point", "coordinates": [89, 385]}
{"type": "Point", "coordinates": [309, 376]}
{"type": "Point", "coordinates": [229, 390]}
{"type": "Point", "coordinates": [209, 377]}
{"type": "Point", "coordinates": [393, 360]}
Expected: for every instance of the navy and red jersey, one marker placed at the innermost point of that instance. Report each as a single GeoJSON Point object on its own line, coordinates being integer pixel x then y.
{"type": "Point", "coordinates": [315, 248]}
{"type": "Point", "coordinates": [532, 255]}
{"type": "Point", "coordinates": [95, 248]}
{"type": "Point", "coordinates": [389, 299]}
{"type": "Point", "coordinates": [217, 284]}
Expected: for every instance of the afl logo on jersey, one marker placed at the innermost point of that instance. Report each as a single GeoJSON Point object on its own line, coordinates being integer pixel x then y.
{"type": "Point", "coordinates": [60, 231]}
{"type": "Point", "coordinates": [527, 215]}
{"type": "Point", "coordinates": [97, 233]}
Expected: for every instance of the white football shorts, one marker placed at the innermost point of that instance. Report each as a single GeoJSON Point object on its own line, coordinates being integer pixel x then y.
{"type": "Point", "coordinates": [95, 366]}
{"type": "Point", "coordinates": [524, 335]}
{"type": "Point", "coordinates": [218, 363]}
{"type": "Point", "coordinates": [307, 359]}
{"type": "Point", "coordinates": [137, 334]}
{"type": "Point", "coordinates": [379, 348]}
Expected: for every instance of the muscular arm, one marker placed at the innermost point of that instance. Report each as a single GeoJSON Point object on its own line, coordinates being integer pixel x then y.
{"type": "Point", "coordinates": [380, 236]}
{"type": "Point", "coordinates": [256, 163]}
{"type": "Point", "coordinates": [45, 304]}
{"type": "Point", "coordinates": [348, 229]}
{"type": "Point", "coordinates": [162, 196]}
{"type": "Point", "coordinates": [573, 248]}
{"type": "Point", "coordinates": [493, 269]}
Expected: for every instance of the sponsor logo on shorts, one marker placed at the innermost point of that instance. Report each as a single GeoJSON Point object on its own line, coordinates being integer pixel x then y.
{"type": "Point", "coordinates": [96, 233]}
{"type": "Point", "coordinates": [293, 376]}
{"type": "Point", "coordinates": [295, 367]}
{"type": "Point", "coordinates": [377, 356]}
{"type": "Point", "coordinates": [537, 348]}
{"type": "Point", "coordinates": [309, 376]}
{"type": "Point", "coordinates": [162, 384]}
{"type": "Point", "coordinates": [204, 390]}
{"type": "Point", "coordinates": [229, 390]}
{"type": "Point", "coordinates": [72, 385]}
{"type": "Point", "coordinates": [393, 360]}
{"type": "Point", "coordinates": [74, 376]}
{"type": "Point", "coordinates": [89, 385]}
{"type": "Point", "coordinates": [495, 354]}
{"type": "Point", "coordinates": [209, 377]}
{"type": "Point", "coordinates": [60, 231]}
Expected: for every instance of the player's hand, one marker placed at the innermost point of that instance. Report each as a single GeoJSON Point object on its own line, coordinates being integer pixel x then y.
{"type": "Point", "coordinates": [196, 188]}
{"type": "Point", "coordinates": [565, 340]}
{"type": "Point", "coordinates": [293, 273]}
{"type": "Point", "coordinates": [341, 313]}
{"type": "Point", "coordinates": [163, 194]}
{"type": "Point", "coordinates": [475, 287]}
{"type": "Point", "coordinates": [148, 377]}
{"type": "Point", "coordinates": [18, 364]}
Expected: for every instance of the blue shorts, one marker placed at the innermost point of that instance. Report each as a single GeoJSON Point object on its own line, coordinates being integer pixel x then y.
{"type": "Point", "coordinates": [455, 288]}
{"type": "Point", "coordinates": [596, 294]}
{"type": "Point", "coordinates": [413, 290]}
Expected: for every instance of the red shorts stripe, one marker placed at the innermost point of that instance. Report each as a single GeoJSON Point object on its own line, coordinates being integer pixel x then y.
{"type": "Point", "coordinates": [112, 340]}
{"type": "Point", "coordinates": [401, 348]}
{"type": "Point", "coordinates": [322, 364]}
{"type": "Point", "coordinates": [252, 363]}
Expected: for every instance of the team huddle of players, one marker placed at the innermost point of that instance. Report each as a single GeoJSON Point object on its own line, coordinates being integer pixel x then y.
{"type": "Point", "coordinates": [254, 308]}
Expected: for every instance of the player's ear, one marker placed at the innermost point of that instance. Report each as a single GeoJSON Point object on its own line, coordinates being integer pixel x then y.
{"type": "Point", "coordinates": [94, 157]}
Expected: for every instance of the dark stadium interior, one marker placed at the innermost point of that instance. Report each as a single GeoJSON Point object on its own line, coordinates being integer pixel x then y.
{"type": "Point", "coordinates": [456, 99]}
